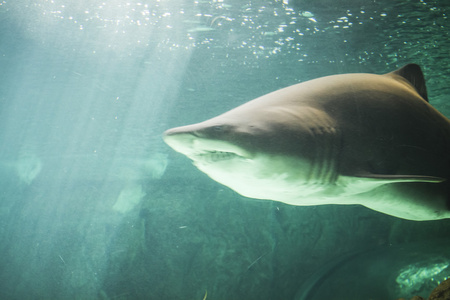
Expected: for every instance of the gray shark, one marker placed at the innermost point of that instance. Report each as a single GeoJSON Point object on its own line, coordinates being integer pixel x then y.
{"type": "Point", "coordinates": [356, 138]}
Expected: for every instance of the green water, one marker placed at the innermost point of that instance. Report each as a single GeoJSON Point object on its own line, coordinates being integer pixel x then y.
{"type": "Point", "coordinates": [93, 205]}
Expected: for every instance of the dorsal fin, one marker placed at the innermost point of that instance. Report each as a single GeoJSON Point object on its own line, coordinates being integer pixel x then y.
{"type": "Point", "coordinates": [414, 75]}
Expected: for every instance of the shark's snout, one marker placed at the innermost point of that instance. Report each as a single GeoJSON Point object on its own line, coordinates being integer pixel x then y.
{"type": "Point", "coordinates": [179, 140]}
{"type": "Point", "coordinates": [199, 146]}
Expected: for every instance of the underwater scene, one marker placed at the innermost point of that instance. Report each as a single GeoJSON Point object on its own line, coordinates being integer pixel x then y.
{"type": "Point", "coordinates": [99, 197]}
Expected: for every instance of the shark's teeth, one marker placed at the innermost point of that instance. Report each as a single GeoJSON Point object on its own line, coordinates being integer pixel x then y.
{"type": "Point", "coordinates": [216, 156]}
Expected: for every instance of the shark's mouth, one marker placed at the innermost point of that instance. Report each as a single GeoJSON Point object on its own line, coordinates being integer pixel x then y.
{"type": "Point", "coordinates": [215, 156]}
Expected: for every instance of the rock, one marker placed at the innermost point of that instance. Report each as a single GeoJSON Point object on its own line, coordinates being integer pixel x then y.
{"type": "Point", "coordinates": [442, 292]}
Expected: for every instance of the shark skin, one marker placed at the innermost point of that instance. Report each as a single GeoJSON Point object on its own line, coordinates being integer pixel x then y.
{"type": "Point", "coordinates": [359, 138]}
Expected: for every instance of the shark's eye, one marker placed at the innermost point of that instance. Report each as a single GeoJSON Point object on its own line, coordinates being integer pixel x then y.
{"type": "Point", "coordinates": [211, 131]}
{"type": "Point", "coordinates": [218, 128]}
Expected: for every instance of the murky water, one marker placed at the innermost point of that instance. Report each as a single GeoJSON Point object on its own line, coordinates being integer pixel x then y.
{"type": "Point", "coordinates": [93, 205]}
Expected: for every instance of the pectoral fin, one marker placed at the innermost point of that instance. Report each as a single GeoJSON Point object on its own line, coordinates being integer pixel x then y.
{"type": "Point", "coordinates": [358, 184]}
{"type": "Point", "coordinates": [383, 179]}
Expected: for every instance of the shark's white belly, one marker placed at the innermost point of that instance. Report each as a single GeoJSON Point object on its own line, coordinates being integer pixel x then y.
{"type": "Point", "coordinates": [272, 177]}
{"type": "Point", "coordinates": [283, 179]}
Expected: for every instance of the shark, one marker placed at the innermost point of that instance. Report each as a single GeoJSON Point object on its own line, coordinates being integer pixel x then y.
{"type": "Point", "coordinates": [355, 138]}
